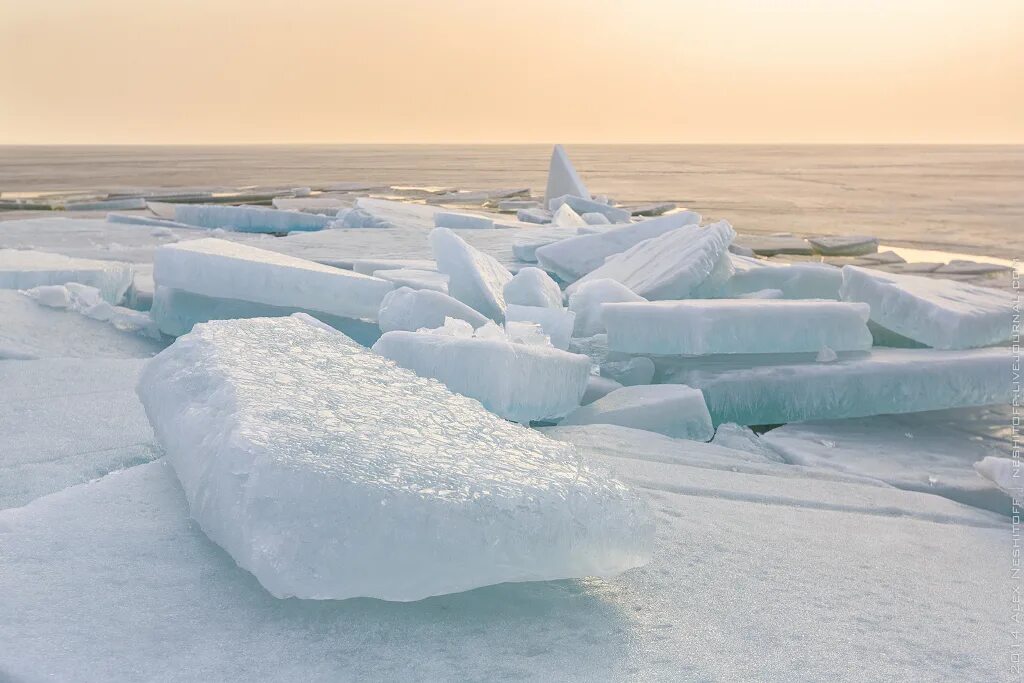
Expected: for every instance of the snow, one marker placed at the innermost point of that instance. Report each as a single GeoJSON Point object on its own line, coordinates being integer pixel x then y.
{"type": "Point", "coordinates": [516, 381]}
{"type": "Point", "coordinates": [588, 300]}
{"type": "Point", "coordinates": [717, 326]}
{"type": "Point", "coordinates": [474, 278]}
{"type": "Point", "coordinates": [844, 245]}
{"type": "Point", "coordinates": [277, 476]}
{"type": "Point", "coordinates": [583, 205]}
{"type": "Point", "coordinates": [24, 269]}
{"type": "Point", "coordinates": [669, 266]}
{"type": "Point", "coordinates": [248, 218]}
{"type": "Point", "coordinates": [445, 219]}
{"type": "Point", "coordinates": [533, 287]}
{"type": "Point", "coordinates": [408, 309]}
{"type": "Point", "coordinates": [557, 323]}
{"type": "Point", "coordinates": [943, 314]}
{"type": "Point", "coordinates": [670, 409]}
{"type": "Point", "coordinates": [884, 381]}
{"type": "Point", "coordinates": [415, 279]}
{"type": "Point", "coordinates": [66, 421]}
{"type": "Point", "coordinates": [228, 270]}
{"type": "Point", "coordinates": [574, 257]}
{"type": "Point", "coordinates": [562, 177]}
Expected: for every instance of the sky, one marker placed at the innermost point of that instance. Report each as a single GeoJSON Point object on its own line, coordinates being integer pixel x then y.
{"type": "Point", "coordinates": [518, 71]}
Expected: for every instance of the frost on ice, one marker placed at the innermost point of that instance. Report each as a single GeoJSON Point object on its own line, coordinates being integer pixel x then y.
{"type": "Point", "coordinates": [380, 483]}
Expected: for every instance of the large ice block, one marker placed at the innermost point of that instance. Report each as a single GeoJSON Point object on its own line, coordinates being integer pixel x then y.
{"type": "Point", "coordinates": [587, 303]}
{"type": "Point", "coordinates": [698, 327]}
{"type": "Point", "coordinates": [574, 257]}
{"type": "Point", "coordinates": [249, 218]}
{"type": "Point", "coordinates": [557, 323]}
{"type": "Point", "coordinates": [228, 270]}
{"type": "Point", "coordinates": [882, 382]}
{"type": "Point", "coordinates": [408, 309]}
{"type": "Point", "coordinates": [671, 265]}
{"type": "Point", "coordinates": [330, 473]}
{"type": "Point", "coordinates": [944, 314]}
{"type": "Point", "coordinates": [516, 381]}
{"type": "Point", "coordinates": [566, 217]}
{"type": "Point", "coordinates": [24, 269]}
{"type": "Point", "coordinates": [533, 287]}
{"type": "Point", "coordinates": [794, 281]}
{"type": "Point", "coordinates": [562, 177]}
{"type": "Point", "coordinates": [474, 278]}
{"type": "Point", "coordinates": [583, 205]}
{"type": "Point", "coordinates": [671, 409]}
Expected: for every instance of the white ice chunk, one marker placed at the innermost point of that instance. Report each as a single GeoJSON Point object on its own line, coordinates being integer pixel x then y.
{"type": "Point", "coordinates": [89, 302]}
{"type": "Point", "coordinates": [1004, 473]}
{"type": "Point", "coordinates": [516, 381]}
{"type": "Point", "coordinates": [249, 218]}
{"type": "Point", "coordinates": [24, 269]}
{"type": "Point", "coordinates": [229, 270]}
{"type": "Point", "coordinates": [452, 327]}
{"type": "Point", "coordinates": [700, 327]}
{"type": "Point", "coordinates": [414, 279]}
{"type": "Point", "coordinates": [598, 386]}
{"type": "Point", "coordinates": [566, 217]}
{"type": "Point", "coordinates": [526, 332]}
{"type": "Point", "coordinates": [533, 287]}
{"type": "Point", "coordinates": [411, 310]}
{"type": "Point", "coordinates": [329, 473]}
{"type": "Point", "coordinates": [583, 205]}
{"type": "Point", "coordinates": [562, 177]}
{"type": "Point", "coordinates": [572, 258]}
{"type": "Point", "coordinates": [670, 266]}
{"type": "Point", "coordinates": [557, 323]}
{"type": "Point", "coordinates": [474, 278]}
{"type": "Point", "coordinates": [462, 221]}
{"type": "Point", "coordinates": [944, 314]}
{"type": "Point", "coordinates": [594, 218]}
{"type": "Point", "coordinates": [587, 303]}
{"type": "Point", "coordinates": [795, 281]}
{"type": "Point", "coordinates": [671, 409]}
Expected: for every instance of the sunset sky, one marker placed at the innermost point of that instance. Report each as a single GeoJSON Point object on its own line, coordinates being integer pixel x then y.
{"type": "Point", "coordinates": [450, 71]}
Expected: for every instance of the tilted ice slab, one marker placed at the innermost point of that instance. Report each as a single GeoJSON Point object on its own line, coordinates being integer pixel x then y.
{"type": "Point", "coordinates": [944, 314]}
{"type": "Point", "coordinates": [533, 287]}
{"type": "Point", "coordinates": [670, 266]}
{"type": "Point", "coordinates": [588, 304]}
{"type": "Point", "coordinates": [700, 327]}
{"type": "Point", "coordinates": [516, 381]}
{"type": "Point", "coordinates": [670, 409]}
{"type": "Point", "coordinates": [474, 278]}
{"type": "Point", "coordinates": [882, 382]}
{"type": "Point", "coordinates": [228, 270]}
{"type": "Point", "coordinates": [24, 269]}
{"type": "Point", "coordinates": [249, 218]}
{"type": "Point", "coordinates": [794, 281]}
{"type": "Point", "coordinates": [411, 310]}
{"type": "Point", "coordinates": [583, 205]}
{"type": "Point", "coordinates": [566, 217]}
{"type": "Point", "coordinates": [447, 219]}
{"type": "Point", "coordinates": [329, 473]}
{"type": "Point", "coordinates": [65, 421]}
{"type": "Point", "coordinates": [562, 177]}
{"type": "Point", "coordinates": [557, 323]}
{"type": "Point", "coordinates": [416, 279]}
{"type": "Point", "coordinates": [574, 257]}
{"type": "Point", "coordinates": [368, 266]}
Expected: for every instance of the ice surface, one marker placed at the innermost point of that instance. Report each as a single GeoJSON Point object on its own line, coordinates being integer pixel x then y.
{"type": "Point", "coordinates": [712, 326]}
{"type": "Point", "coordinates": [597, 387]}
{"type": "Point", "coordinates": [516, 381]}
{"type": "Point", "coordinates": [248, 218]}
{"type": "Point", "coordinates": [124, 204]}
{"type": "Point", "coordinates": [445, 219]}
{"type": "Point", "coordinates": [228, 270]}
{"type": "Point", "coordinates": [557, 323]}
{"type": "Point", "coordinates": [583, 205]}
{"type": "Point", "coordinates": [415, 279]}
{"type": "Point", "coordinates": [65, 421]}
{"type": "Point", "coordinates": [795, 281]}
{"type": "Point", "coordinates": [474, 278]}
{"type": "Point", "coordinates": [562, 177]}
{"type": "Point", "coordinates": [587, 302]}
{"type": "Point", "coordinates": [24, 269]}
{"type": "Point", "coordinates": [148, 221]}
{"type": "Point", "coordinates": [572, 258]}
{"type": "Point", "coordinates": [533, 287]}
{"type": "Point", "coordinates": [379, 483]}
{"type": "Point", "coordinates": [408, 309]}
{"type": "Point", "coordinates": [525, 248]}
{"type": "Point", "coordinates": [594, 218]}
{"type": "Point", "coordinates": [1004, 473]}
{"type": "Point", "coordinates": [368, 266]}
{"type": "Point", "coordinates": [943, 314]}
{"type": "Point", "coordinates": [565, 217]}
{"type": "Point", "coordinates": [670, 409]}
{"type": "Point", "coordinates": [882, 382]}
{"type": "Point", "coordinates": [631, 372]}
{"type": "Point", "coordinates": [844, 245]}
{"type": "Point", "coordinates": [326, 206]}
{"type": "Point", "coordinates": [742, 438]}
{"type": "Point", "coordinates": [669, 266]}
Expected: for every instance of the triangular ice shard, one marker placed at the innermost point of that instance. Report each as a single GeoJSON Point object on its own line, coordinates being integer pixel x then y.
{"type": "Point", "coordinates": [563, 178]}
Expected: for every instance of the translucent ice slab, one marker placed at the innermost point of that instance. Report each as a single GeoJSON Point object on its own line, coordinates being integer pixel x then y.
{"type": "Point", "coordinates": [670, 409]}
{"type": "Point", "coordinates": [24, 269]}
{"type": "Point", "coordinates": [249, 218]}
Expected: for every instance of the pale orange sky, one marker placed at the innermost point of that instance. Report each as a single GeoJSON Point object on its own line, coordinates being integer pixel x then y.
{"type": "Point", "coordinates": [686, 71]}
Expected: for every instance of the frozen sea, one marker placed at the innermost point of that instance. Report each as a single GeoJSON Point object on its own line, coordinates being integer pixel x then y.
{"type": "Point", "coordinates": [957, 198]}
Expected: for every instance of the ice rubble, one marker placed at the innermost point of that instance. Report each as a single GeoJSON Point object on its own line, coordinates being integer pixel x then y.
{"type": "Point", "coordinates": [581, 205]}
{"type": "Point", "coordinates": [562, 177]}
{"type": "Point", "coordinates": [669, 266]}
{"type": "Point", "coordinates": [718, 326]}
{"type": "Point", "coordinates": [227, 270]}
{"type": "Point", "coordinates": [943, 314]}
{"type": "Point", "coordinates": [380, 483]}
{"type": "Point", "coordinates": [671, 409]}
{"type": "Point", "coordinates": [474, 278]}
{"type": "Point", "coordinates": [408, 309]}
{"type": "Point", "coordinates": [574, 257]}
{"type": "Point", "coordinates": [533, 287]}
{"type": "Point", "coordinates": [793, 281]}
{"type": "Point", "coordinates": [248, 218]}
{"type": "Point", "coordinates": [24, 269]}
{"type": "Point", "coordinates": [588, 301]}
{"type": "Point", "coordinates": [89, 302]}
{"type": "Point", "coordinates": [557, 323]}
{"type": "Point", "coordinates": [519, 382]}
